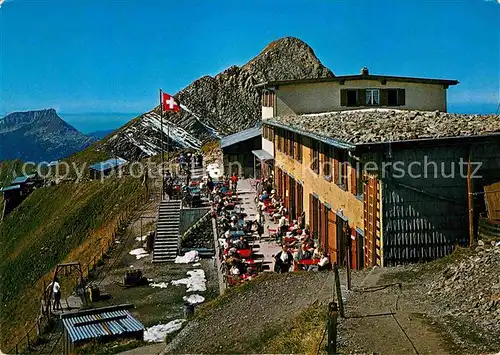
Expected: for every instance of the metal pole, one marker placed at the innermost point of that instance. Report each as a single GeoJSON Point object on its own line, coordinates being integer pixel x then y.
{"type": "Point", "coordinates": [348, 257]}
{"type": "Point", "coordinates": [338, 289]}
{"type": "Point", "coordinates": [162, 157]}
{"type": "Point", "coordinates": [470, 201]}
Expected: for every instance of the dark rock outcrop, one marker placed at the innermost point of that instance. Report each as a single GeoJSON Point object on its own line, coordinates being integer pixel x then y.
{"type": "Point", "coordinates": [38, 136]}
{"type": "Point", "coordinates": [224, 104]}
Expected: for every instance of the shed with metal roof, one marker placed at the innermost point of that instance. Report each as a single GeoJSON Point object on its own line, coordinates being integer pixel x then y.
{"type": "Point", "coordinates": [237, 151]}
{"type": "Point", "coordinates": [104, 168]}
{"type": "Point", "coordinates": [100, 325]}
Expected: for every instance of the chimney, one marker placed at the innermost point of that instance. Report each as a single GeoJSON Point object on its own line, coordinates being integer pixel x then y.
{"type": "Point", "coordinates": [364, 71]}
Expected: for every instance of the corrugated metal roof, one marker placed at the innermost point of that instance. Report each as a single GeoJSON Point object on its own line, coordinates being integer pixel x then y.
{"type": "Point", "coordinates": [10, 188]}
{"type": "Point", "coordinates": [262, 155]}
{"type": "Point", "coordinates": [97, 324]}
{"type": "Point", "coordinates": [240, 136]}
{"type": "Point", "coordinates": [108, 164]}
{"type": "Point", "coordinates": [21, 179]}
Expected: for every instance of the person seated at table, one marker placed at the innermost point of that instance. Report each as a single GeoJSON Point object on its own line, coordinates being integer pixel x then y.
{"type": "Point", "coordinates": [283, 225]}
{"type": "Point", "coordinates": [280, 212]}
{"type": "Point", "coordinates": [241, 243]}
{"type": "Point", "coordinates": [317, 253]}
{"type": "Point", "coordinates": [234, 223]}
{"type": "Point", "coordinates": [251, 272]}
{"type": "Point", "coordinates": [264, 196]}
{"type": "Point", "coordinates": [324, 263]}
{"type": "Point", "coordinates": [283, 260]}
{"type": "Point", "coordinates": [304, 253]}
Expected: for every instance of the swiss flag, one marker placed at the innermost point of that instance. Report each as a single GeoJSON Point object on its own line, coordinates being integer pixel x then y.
{"type": "Point", "coordinates": [169, 103]}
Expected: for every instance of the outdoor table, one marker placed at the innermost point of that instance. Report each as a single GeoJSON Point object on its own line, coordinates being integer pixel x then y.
{"type": "Point", "coordinates": [309, 262]}
{"type": "Point", "coordinates": [252, 261]}
{"type": "Point", "coordinates": [290, 239]}
{"type": "Point", "coordinates": [245, 253]}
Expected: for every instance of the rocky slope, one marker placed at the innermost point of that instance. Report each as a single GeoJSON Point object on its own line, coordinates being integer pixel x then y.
{"type": "Point", "coordinates": [472, 287]}
{"type": "Point", "coordinates": [38, 136]}
{"type": "Point", "coordinates": [220, 105]}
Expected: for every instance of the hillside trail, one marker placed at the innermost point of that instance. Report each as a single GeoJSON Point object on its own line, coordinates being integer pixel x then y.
{"type": "Point", "coordinates": [378, 320]}
{"type": "Point", "coordinates": [242, 318]}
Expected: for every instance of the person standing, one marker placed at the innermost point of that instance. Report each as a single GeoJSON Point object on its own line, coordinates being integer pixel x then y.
{"type": "Point", "coordinates": [283, 260]}
{"type": "Point", "coordinates": [56, 293]}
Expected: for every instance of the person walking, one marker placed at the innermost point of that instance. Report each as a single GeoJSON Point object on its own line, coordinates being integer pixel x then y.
{"type": "Point", "coordinates": [234, 181]}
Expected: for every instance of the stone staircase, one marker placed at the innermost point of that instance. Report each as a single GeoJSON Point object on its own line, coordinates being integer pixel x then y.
{"type": "Point", "coordinates": [167, 231]}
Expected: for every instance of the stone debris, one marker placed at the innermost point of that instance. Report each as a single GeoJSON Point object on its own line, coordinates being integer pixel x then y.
{"type": "Point", "coordinates": [472, 287]}
{"type": "Point", "coordinates": [384, 125]}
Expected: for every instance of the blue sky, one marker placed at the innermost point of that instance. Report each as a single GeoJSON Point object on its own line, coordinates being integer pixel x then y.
{"type": "Point", "coordinates": [112, 56]}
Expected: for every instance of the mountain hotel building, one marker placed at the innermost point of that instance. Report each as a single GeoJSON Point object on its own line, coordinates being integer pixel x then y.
{"type": "Point", "coordinates": [379, 181]}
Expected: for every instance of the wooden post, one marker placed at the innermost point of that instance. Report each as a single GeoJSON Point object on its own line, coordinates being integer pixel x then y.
{"type": "Point", "coordinates": [332, 328]}
{"type": "Point", "coordinates": [470, 201]}
{"type": "Point", "coordinates": [338, 289]}
{"type": "Point", "coordinates": [28, 339]}
{"type": "Point", "coordinates": [17, 350]}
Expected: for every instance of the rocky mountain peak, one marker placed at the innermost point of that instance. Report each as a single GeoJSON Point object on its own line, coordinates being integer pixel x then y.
{"type": "Point", "coordinates": [39, 135]}
{"type": "Point", "coordinates": [285, 59]}
{"type": "Point", "coordinates": [220, 105]}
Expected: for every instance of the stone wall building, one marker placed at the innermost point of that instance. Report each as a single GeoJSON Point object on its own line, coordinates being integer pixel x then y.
{"type": "Point", "coordinates": [384, 186]}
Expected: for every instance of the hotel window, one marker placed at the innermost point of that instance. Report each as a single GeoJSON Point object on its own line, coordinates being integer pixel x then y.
{"type": "Point", "coordinates": [327, 162]}
{"type": "Point", "coordinates": [278, 132]}
{"type": "Point", "coordinates": [341, 168]}
{"type": "Point", "coordinates": [299, 147]}
{"type": "Point", "coordinates": [315, 156]}
{"type": "Point", "coordinates": [372, 97]}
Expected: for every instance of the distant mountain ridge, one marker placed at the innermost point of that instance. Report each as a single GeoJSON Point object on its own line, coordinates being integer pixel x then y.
{"type": "Point", "coordinates": [220, 105]}
{"type": "Point", "coordinates": [39, 136]}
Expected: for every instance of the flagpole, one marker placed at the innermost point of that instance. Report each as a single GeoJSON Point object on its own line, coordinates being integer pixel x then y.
{"type": "Point", "coordinates": [162, 155]}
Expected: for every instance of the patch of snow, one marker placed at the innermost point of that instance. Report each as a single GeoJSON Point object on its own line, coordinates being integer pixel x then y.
{"type": "Point", "coordinates": [141, 239]}
{"type": "Point", "coordinates": [139, 253]}
{"type": "Point", "coordinates": [177, 134]}
{"type": "Point", "coordinates": [194, 299]}
{"type": "Point", "coordinates": [196, 281]}
{"type": "Point", "coordinates": [197, 264]}
{"type": "Point", "coordinates": [159, 285]}
{"type": "Point", "coordinates": [157, 333]}
{"type": "Point", "coordinates": [189, 257]}
{"type": "Point", "coordinates": [212, 131]}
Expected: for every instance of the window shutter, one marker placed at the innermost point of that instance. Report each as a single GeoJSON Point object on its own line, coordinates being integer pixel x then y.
{"type": "Point", "coordinates": [343, 97]}
{"type": "Point", "coordinates": [361, 99]}
{"type": "Point", "coordinates": [354, 186]}
{"type": "Point", "coordinates": [401, 97]}
{"type": "Point", "coordinates": [311, 213]}
{"type": "Point", "coordinates": [384, 97]}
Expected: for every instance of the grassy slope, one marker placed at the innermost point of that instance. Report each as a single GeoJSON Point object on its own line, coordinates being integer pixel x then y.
{"type": "Point", "coordinates": [72, 221]}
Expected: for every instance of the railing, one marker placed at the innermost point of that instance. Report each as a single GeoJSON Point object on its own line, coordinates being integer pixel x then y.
{"type": "Point", "coordinates": [32, 337]}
